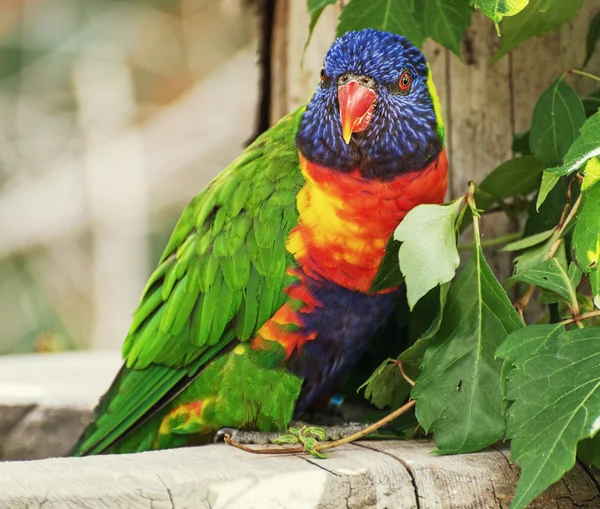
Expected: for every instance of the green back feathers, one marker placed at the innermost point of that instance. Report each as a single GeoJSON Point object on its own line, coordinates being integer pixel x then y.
{"type": "Point", "coordinates": [220, 278]}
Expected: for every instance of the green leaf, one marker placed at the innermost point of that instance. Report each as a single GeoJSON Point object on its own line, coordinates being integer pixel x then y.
{"type": "Point", "coordinates": [595, 282]}
{"type": "Point", "coordinates": [590, 105]}
{"type": "Point", "coordinates": [550, 275]}
{"type": "Point", "coordinates": [540, 17]}
{"type": "Point", "coordinates": [386, 386]}
{"type": "Point", "coordinates": [526, 341]}
{"type": "Point", "coordinates": [592, 38]}
{"type": "Point", "coordinates": [588, 451]}
{"type": "Point", "coordinates": [388, 275]}
{"type": "Point", "coordinates": [549, 180]}
{"type": "Point", "coordinates": [583, 148]}
{"type": "Point", "coordinates": [529, 341]}
{"type": "Point", "coordinates": [445, 21]}
{"type": "Point", "coordinates": [458, 392]}
{"type": "Point", "coordinates": [555, 123]}
{"type": "Point", "coordinates": [397, 16]}
{"type": "Point", "coordinates": [520, 144]}
{"type": "Point", "coordinates": [556, 403]}
{"type": "Point", "coordinates": [586, 235]}
{"type": "Point", "coordinates": [591, 173]}
{"type": "Point", "coordinates": [414, 354]}
{"type": "Point", "coordinates": [515, 177]}
{"type": "Point", "coordinates": [428, 255]}
{"type": "Point", "coordinates": [497, 9]}
{"type": "Point", "coordinates": [547, 215]}
{"type": "Point", "coordinates": [530, 241]}
{"type": "Point", "coordinates": [375, 374]}
{"type": "Point", "coordinates": [315, 9]}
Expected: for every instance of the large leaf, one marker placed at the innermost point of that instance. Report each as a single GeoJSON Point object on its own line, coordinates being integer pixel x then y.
{"type": "Point", "coordinates": [315, 8]}
{"type": "Point", "coordinates": [445, 21]}
{"type": "Point", "coordinates": [556, 403]}
{"type": "Point", "coordinates": [550, 275]}
{"type": "Point", "coordinates": [592, 38]}
{"type": "Point", "coordinates": [540, 17]}
{"type": "Point", "coordinates": [527, 341]}
{"type": "Point", "coordinates": [396, 16]}
{"type": "Point", "coordinates": [458, 392]}
{"type": "Point", "coordinates": [497, 9]}
{"type": "Point", "coordinates": [557, 117]}
{"type": "Point", "coordinates": [584, 148]}
{"type": "Point", "coordinates": [428, 255]}
{"type": "Point", "coordinates": [515, 177]}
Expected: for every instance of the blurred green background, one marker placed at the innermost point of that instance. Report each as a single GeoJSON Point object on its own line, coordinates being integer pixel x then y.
{"type": "Point", "coordinates": [113, 115]}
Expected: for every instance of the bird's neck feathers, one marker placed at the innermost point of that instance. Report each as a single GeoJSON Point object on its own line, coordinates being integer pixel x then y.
{"type": "Point", "coordinates": [345, 220]}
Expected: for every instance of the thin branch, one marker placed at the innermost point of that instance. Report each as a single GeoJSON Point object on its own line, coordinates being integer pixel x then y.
{"type": "Point", "coordinates": [584, 74]}
{"type": "Point", "coordinates": [322, 446]}
{"type": "Point", "coordinates": [404, 375]}
{"type": "Point", "coordinates": [578, 319]}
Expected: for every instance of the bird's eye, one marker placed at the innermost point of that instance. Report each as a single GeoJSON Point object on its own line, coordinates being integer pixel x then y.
{"type": "Point", "coordinates": [322, 74]}
{"type": "Point", "coordinates": [405, 81]}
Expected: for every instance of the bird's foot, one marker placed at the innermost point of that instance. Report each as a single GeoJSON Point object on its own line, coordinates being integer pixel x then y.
{"type": "Point", "coordinates": [244, 436]}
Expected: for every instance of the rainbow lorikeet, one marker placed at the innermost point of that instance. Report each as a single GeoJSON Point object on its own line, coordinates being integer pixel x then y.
{"type": "Point", "coordinates": [261, 302]}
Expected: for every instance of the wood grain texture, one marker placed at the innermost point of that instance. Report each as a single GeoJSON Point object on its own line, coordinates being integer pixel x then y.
{"type": "Point", "coordinates": [213, 476]}
{"type": "Point", "coordinates": [369, 474]}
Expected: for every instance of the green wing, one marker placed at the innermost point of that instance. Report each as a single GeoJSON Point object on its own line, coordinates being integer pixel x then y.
{"type": "Point", "coordinates": [220, 278]}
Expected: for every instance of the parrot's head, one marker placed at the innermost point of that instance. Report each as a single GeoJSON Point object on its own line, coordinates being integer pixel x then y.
{"type": "Point", "coordinates": [375, 109]}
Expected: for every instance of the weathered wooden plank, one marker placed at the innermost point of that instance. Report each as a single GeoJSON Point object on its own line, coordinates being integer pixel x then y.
{"type": "Point", "coordinates": [483, 480]}
{"type": "Point", "coordinates": [369, 474]}
{"type": "Point", "coordinates": [578, 488]}
{"type": "Point", "coordinates": [209, 477]}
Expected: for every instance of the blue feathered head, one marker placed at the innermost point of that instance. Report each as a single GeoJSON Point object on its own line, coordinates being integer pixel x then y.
{"type": "Point", "coordinates": [375, 109]}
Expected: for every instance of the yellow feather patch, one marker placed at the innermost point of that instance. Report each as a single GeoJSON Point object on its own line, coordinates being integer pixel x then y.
{"type": "Point", "coordinates": [437, 106]}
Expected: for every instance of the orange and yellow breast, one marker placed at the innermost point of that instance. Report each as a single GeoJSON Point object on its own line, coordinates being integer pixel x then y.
{"type": "Point", "coordinates": [346, 220]}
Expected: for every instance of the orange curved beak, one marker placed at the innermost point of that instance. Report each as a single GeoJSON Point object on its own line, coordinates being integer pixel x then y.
{"type": "Point", "coordinates": [356, 108]}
